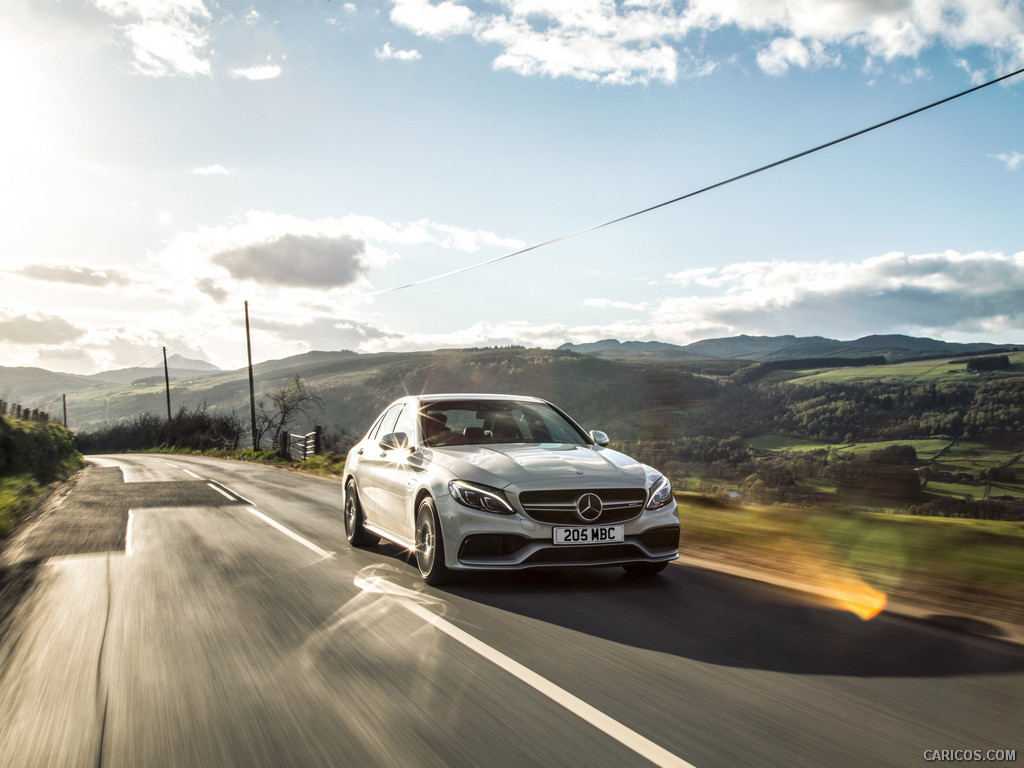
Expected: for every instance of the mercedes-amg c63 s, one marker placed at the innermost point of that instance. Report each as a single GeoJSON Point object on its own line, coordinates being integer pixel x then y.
{"type": "Point", "coordinates": [503, 482]}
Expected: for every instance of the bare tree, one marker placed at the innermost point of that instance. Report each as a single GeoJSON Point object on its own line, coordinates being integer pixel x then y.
{"type": "Point", "coordinates": [275, 410]}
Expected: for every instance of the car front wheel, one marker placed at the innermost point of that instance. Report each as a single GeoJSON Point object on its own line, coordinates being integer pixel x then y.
{"type": "Point", "coordinates": [356, 534]}
{"type": "Point", "coordinates": [430, 546]}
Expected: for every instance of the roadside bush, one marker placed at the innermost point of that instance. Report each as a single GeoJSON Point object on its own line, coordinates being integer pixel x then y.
{"type": "Point", "coordinates": [46, 451]}
{"type": "Point", "coordinates": [189, 430]}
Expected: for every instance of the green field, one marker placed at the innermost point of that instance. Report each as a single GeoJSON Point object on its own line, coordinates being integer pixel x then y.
{"type": "Point", "coordinates": [976, 457]}
{"type": "Point", "coordinates": [915, 372]}
{"type": "Point", "coordinates": [783, 443]}
{"type": "Point", "coordinates": [926, 448]}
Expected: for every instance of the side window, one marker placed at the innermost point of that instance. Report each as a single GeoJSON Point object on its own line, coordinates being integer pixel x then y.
{"type": "Point", "coordinates": [375, 429]}
{"type": "Point", "coordinates": [387, 424]}
{"type": "Point", "coordinates": [406, 423]}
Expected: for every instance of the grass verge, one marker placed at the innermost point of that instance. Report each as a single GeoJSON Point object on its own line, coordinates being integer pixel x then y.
{"type": "Point", "coordinates": [18, 494]}
{"type": "Point", "coordinates": [21, 493]}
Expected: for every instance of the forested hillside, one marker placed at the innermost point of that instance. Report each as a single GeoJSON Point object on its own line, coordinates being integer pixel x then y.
{"type": "Point", "coordinates": [836, 412]}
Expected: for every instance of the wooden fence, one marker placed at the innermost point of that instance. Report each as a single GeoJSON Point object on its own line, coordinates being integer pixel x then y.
{"type": "Point", "coordinates": [15, 411]}
{"type": "Point", "coordinates": [301, 447]}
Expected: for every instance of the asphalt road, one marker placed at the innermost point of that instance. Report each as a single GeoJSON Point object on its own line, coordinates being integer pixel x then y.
{"type": "Point", "coordinates": [180, 611]}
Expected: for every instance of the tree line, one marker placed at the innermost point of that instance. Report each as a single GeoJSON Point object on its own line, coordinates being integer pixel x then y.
{"type": "Point", "coordinates": [873, 411]}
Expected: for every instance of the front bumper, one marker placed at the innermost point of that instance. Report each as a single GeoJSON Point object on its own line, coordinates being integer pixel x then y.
{"type": "Point", "coordinates": [481, 541]}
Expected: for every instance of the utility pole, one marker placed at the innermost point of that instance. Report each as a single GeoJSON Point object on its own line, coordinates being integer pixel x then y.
{"type": "Point", "coordinates": [167, 385]}
{"type": "Point", "coordinates": [252, 386]}
{"type": "Point", "coordinates": [64, 398]}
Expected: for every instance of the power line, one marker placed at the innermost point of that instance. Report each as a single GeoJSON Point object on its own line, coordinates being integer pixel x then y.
{"type": "Point", "coordinates": [701, 191]}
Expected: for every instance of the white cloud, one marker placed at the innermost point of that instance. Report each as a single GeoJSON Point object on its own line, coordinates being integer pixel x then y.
{"type": "Point", "coordinates": [37, 329]}
{"type": "Point", "coordinates": [613, 304]}
{"type": "Point", "coordinates": [166, 37]}
{"type": "Point", "coordinates": [211, 170]}
{"type": "Point", "coordinates": [210, 287]}
{"type": "Point", "coordinates": [325, 332]}
{"type": "Point", "coordinates": [432, 20]}
{"type": "Point", "coordinates": [74, 274]}
{"type": "Point", "coordinates": [786, 52]}
{"type": "Point", "coordinates": [638, 42]}
{"type": "Point", "coordinates": [1012, 160]}
{"type": "Point", "coordinates": [278, 249]}
{"type": "Point", "coordinates": [977, 76]}
{"type": "Point", "coordinates": [311, 261]}
{"type": "Point", "coordinates": [387, 53]}
{"type": "Point", "coordinates": [260, 72]}
{"type": "Point", "coordinates": [468, 240]}
{"type": "Point", "coordinates": [696, 276]}
{"type": "Point", "coordinates": [924, 294]}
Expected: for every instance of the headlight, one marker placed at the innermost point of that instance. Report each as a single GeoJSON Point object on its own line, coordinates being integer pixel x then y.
{"type": "Point", "coordinates": [661, 493]}
{"type": "Point", "coordinates": [480, 497]}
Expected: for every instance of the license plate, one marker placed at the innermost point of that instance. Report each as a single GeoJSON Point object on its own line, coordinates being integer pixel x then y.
{"type": "Point", "coordinates": [590, 534]}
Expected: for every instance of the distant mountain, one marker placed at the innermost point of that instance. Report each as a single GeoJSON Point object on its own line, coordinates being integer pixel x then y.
{"type": "Point", "coordinates": [762, 349]}
{"type": "Point", "coordinates": [613, 348]}
{"type": "Point", "coordinates": [178, 367]}
{"type": "Point", "coordinates": [25, 386]}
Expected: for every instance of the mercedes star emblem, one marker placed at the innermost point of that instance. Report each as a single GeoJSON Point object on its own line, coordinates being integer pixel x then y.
{"type": "Point", "coordinates": [588, 507]}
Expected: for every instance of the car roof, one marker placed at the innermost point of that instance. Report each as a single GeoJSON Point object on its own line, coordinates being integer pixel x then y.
{"type": "Point", "coordinates": [476, 396]}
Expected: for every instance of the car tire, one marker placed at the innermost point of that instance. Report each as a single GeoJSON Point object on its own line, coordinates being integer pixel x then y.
{"type": "Point", "coordinates": [430, 546]}
{"type": "Point", "coordinates": [356, 534]}
{"type": "Point", "coordinates": [644, 569]}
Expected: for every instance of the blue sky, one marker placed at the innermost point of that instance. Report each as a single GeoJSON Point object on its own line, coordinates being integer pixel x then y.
{"type": "Point", "coordinates": [163, 161]}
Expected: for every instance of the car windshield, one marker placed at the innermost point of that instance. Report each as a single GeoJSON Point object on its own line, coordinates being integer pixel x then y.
{"type": "Point", "coordinates": [480, 422]}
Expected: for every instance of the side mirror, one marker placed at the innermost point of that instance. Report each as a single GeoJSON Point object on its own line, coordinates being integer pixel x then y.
{"type": "Point", "coordinates": [394, 440]}
{"type": "Point", "coordinates": [599, 437]}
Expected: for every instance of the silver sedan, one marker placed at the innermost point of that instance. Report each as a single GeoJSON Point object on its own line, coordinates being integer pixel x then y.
{"type": "Point", "coordinates": [503, 482]}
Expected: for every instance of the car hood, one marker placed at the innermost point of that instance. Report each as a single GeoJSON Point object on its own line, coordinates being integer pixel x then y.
{"type": "Point", "coordinates": [547, 465]}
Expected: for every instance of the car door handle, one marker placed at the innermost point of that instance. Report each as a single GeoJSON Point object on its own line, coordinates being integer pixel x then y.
{"type": "Point", "coordinates": [359, 452]}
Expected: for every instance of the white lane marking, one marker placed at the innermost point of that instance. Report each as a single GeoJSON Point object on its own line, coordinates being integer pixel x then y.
{"type": "Point", "coordinates": [188, 472]}
{"type": "Point", "coordinates": [291, 534]}
{"type": "Point", "coordinates": [128, 536]}
{"type": "Point", "coordinates": [624, 735]}
{"type": "Point", "coordinates": [235, 496]}
{"type": "Point", "coordinates": [222, 492]}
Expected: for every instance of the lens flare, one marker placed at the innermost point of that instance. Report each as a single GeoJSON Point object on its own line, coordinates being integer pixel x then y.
{"type": "Point", "coordinates": [838, 585]}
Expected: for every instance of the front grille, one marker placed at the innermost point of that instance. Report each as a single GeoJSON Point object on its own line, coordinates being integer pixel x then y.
{"type": "Point", "coordinates": [559, 507]}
